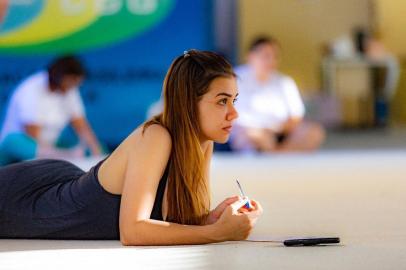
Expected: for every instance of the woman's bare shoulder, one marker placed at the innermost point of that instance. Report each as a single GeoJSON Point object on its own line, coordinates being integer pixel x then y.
{"type": "Point", "coordinates": [151, 147]}
{"type": "Point", "coordinates": [156, 130]}
{"type": "Point", "coordinates": [154, 134]}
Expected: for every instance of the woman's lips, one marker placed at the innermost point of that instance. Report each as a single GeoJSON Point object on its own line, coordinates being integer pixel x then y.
{"type": "Point", "coordinates": [228, 129]}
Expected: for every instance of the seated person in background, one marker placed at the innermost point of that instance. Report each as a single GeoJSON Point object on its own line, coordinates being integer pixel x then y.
{"type": "Point", "coordinates": [270, 107]}
{"type": "Point", "coordinates": [40, 108]}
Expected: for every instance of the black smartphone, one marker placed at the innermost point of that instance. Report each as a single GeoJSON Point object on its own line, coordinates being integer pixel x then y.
{"type": "Point", "coordinates": [312, 241]}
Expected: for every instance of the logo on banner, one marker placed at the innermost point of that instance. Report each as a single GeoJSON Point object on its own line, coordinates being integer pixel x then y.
{"type": "Point", "coordinates": [60, 26]}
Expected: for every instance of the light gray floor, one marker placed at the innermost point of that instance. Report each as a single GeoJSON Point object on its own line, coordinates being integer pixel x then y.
{"type": "Point", "coordinates": [238, 255]}
{"type": "Point", "coordinates": [359, 196]}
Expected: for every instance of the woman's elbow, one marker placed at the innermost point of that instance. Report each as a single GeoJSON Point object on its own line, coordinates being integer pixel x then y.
{"type": "Point", "coordinates": [129, 242]}
{"type": "Point", "coordinates": [133, 240]}
{"type": "Point", "coordinates": [125, 239]}
{"type": "Point", "coordinates": [128, 239]}
{"type": "Point", "coordinates": [132, 236]}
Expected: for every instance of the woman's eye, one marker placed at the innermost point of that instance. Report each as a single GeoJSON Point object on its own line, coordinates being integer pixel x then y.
{"type": "Point", "coordinates": [235, 100]}
{"type": "Point", "coordinates": [223, 101]}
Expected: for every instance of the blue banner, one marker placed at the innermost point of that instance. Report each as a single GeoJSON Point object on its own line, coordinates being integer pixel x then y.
{"type": "Point", "coordinates": [125, 68]}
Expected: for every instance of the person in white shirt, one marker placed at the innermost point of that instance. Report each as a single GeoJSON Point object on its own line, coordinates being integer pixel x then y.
{"type": "Point", "coordinates": [40, 108]}
{"type": "Point", "coordinates": [270, 107]}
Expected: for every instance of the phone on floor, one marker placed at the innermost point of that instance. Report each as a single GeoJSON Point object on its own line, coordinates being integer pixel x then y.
{"type": "Point", "coordinates": [311, 241]}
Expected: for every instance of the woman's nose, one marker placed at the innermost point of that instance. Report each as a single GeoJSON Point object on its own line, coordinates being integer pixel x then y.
{"type": "Point", "coordinates": [232, 114]}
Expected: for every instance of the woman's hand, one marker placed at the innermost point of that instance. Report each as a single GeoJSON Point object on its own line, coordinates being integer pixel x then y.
{"type": "Point", "coordinates": [235, 223]}
{"type": "Point", "coordinates": [215, 214]}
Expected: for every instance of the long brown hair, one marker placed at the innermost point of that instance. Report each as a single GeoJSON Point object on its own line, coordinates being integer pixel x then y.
{"type": "Point", "coordinates": [186, 81]}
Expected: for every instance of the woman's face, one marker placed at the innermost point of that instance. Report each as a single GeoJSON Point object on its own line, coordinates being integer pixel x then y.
{"type": "Point", "coordinates": [216, 110]}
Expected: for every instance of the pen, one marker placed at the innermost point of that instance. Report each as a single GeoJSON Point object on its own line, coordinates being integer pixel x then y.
{"type": "Point", "coordinates": [247, 205]}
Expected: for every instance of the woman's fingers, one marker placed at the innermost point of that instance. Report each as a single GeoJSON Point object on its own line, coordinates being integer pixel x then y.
{"type": "Point", "coordinates": [223, 205]}
{"type": "Point", "coordinates": [230, 200]}
{"type": "Point", "coordinates": [255, 206]}
{"type": "Point", "coordinates": [236, 221]}
{"type": "Point", "coordinates": [243, 210]}
{"type": "Point", "coordinates": [237, 205]}
{"type": "Point", "coordinates": [218, 211]}
{"type": "Point", "coordinates": [255, 211]}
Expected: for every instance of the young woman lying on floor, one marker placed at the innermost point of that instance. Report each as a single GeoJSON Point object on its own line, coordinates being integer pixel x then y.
{"type": "Point", "coordinates": [154, 188]}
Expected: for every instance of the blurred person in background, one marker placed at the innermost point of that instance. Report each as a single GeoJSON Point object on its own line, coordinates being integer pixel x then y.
{"type": "Point", "coordinates": [40, 108]}
{"type": "Point", "coordinates": [271, 109]}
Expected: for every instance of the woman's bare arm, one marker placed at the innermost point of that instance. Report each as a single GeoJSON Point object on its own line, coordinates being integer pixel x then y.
{"type": "Point", "coordinates": [146, 163]}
